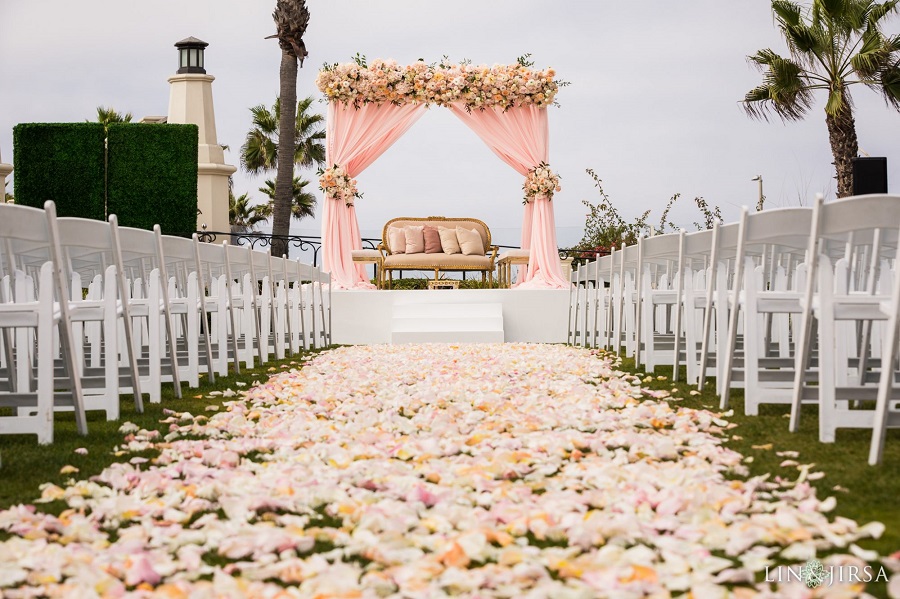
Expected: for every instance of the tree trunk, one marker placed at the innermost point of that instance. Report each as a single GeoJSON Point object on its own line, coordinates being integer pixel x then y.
{"type": "Point", "coordinates": [284, 181]}
{"type": "Point", "coordinates": [844, 147]}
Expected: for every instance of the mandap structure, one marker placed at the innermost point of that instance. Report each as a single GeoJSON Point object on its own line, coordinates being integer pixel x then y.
{"type": "Point", "coordinates": [370, 106]}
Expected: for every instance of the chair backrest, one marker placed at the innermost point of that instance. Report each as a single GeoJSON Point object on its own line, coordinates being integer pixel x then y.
{"type": "Point", "coordinates": [26, 237]}
{"type": "Point", "coordinates": [139, 251]}
{"type": "Point", "coordinates": [850, 216]}
{"type": "Point", "coordinates": [210, 257]}
{"type": "Point", "coordinates": [662, 248]}
{"type": "Point", "coordinates": [788, 227]}
{"type": "Point", "coordinates": [87, 245]}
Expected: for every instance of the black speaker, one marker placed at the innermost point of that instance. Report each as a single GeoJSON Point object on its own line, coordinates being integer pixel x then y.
{"type": "Point", "coordinates": [869, 175]}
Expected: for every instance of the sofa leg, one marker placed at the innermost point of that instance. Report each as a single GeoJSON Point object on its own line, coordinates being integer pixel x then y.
{"type": "Point", "coordinates": [436, 274]}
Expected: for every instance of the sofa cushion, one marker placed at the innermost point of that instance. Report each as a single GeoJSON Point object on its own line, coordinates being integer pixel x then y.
{"type": "Point", "coordinates": [470, 241]}
{"type": "Point", "coordinates": [442, 261]}
{"type": "Point", "coordinates": [449, 242]}
{"type": "Point", "coordinates": [450, 223]}
{"type": "Point", "coordinates": [432, 240]}
{"type": "Point", "coordinates": [396, 240]}
{"type": "Point", "coordinates": [415, 239]}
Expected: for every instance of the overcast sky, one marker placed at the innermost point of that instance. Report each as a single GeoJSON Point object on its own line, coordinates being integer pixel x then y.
{"type": "Point", "coordinates": [653, 106]}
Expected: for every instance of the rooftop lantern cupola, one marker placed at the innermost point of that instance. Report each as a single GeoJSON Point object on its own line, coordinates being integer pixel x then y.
{"type": "Point", "coordinates": [190, 55]}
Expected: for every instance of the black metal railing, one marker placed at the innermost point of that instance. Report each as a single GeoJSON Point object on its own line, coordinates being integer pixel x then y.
{"type": "Point", "coordinates": [304, 243]}
{"type": "Point", "coordinates": [312, 243]}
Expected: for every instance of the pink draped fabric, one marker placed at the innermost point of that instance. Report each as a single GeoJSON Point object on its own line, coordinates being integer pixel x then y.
{"type": "Point", "coordinates": [354, 139]}
{"type": "Point", "coordinates": [521, 138]}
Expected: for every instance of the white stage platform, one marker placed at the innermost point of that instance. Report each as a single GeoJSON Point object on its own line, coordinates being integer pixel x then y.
{"type": "Point", "coordinates": [457, 315]}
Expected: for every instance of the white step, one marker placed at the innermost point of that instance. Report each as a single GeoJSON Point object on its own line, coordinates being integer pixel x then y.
{"type": "Point", "coordinates": [406, 311]}
{"type": "Point", "coordinates": [447, 323]}
{"type": "Point", "coordinates": [409, 325]}
{"type": "Point", "coordinates": [448, 337]}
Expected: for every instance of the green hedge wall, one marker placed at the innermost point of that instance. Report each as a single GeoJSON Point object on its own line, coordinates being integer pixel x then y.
{"type": "Point", "coordinates": [152, 175]}
{"type": "Point", "coordinates": [62, 162]}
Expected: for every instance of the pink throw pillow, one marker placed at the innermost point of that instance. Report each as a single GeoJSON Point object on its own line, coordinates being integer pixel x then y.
{"type": "Point", "coordinates": [432, 240]}
{"type": "Point", "coordinates": [396, 240]}
{"type": "Point", "coordinates": [449, 241]}
{"type": "Point", "coordinates": [415, 239]}
{"type": "Point", "coordinates": [470, 242]}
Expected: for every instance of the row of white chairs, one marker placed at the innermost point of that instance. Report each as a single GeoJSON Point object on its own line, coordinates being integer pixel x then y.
{"type": "Point", "coordinates": [90, 311]}
{"type": "Point", "coordinates": [796, 306]}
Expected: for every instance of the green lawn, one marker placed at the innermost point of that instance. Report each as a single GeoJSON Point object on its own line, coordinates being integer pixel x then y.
{"type": "Point", "coordinates": [863, 493]}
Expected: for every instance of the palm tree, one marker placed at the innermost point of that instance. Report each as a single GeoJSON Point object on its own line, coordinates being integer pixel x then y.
{"type": "Point", "coordinates": [833, 44]}
{"type": "Point", "coordinates": [109, 115]}
{"type": "Point", "coordinates": [303, 202]}
{"type": "Point", "coordinates": [259, 152]}
{"type": "Point", "coordinates": [242, 215]}
{"type": "Point", "coordinates": [291, 19]}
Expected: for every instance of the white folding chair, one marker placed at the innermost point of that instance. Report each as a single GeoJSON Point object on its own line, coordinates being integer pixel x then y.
{"type": "Point", "coordinates": [189, 318]}
{"type": "Point", "coordinates": [714, 339]}
{"type": "Point", "coordinates": [244, 297]}
{"type": "Point", "coordinates": [578, 307]}
{"type": "Point", "coordinates": [30, 238]}
{"type": "Point", "coordinates": [210, 260]}
{"type": "Point", "coordinates": [91, 252]}
{"type": "Point", "coordinates": [767, 242]}
{"type": "Point", "coordinates": [852, 240]}
{"type": "Point", "coordinates": [154, 340]}
{"type": "Point", "coordinates": [887, 415]}
{"type": "Point", "coordinates": [697, 252]}
{"type": "Point", "coordinates": [660, 300]}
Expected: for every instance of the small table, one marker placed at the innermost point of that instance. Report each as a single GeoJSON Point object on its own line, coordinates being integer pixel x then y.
{"type": "Point", "coordinates": [371, 257]}
{"type": "Point", "coordinates": [505, 263]}
{"type": "Point", "coordinates": [443, 284]}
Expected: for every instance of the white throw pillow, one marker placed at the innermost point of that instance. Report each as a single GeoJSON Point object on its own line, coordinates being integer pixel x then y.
{"type": "Point", "coordinates": [415, 239]}
{"type": "Point", "coordinates": [396, 240]}
{"type": "Point", "coordinates": [449, 242]}
{"type": "Point", "coordinates": [470, 242]}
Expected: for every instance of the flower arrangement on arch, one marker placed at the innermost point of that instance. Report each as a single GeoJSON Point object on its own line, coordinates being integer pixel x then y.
{"type": "Point", "coordinates": [477, 86]}
{"type": "Point", "coordinates": [338, 185]}
{"type": "Point", "coordinates": [540, 182]}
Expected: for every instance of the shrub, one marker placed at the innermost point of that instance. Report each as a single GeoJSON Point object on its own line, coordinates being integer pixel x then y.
{"type": "Point", "coordinates": [604, 228]}
{"type": "Point", "coordinates": [63, 162]}
{"type": "Point", "coordinates": [152, 175]}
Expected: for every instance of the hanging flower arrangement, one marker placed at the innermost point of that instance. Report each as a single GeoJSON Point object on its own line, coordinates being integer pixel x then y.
{"type": "Point", "coordinates": [540, 182]}
{"type": "Point", "coordinates": [477, 86]}
{"type": "Point", "coordinates": [338, 185]}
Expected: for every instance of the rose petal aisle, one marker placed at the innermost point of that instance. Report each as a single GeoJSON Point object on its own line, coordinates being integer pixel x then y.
{"type": "Point", "coordinates": [428, 471]}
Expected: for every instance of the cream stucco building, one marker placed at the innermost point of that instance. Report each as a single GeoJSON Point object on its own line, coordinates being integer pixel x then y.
{"type": "Point", "coordinates": [191, 101]}
{"type": "Point", "coordinates": [5, 170]}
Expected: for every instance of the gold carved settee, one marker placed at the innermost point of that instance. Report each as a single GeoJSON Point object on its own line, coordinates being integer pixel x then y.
{"type": "Point", "coordinates": [438, 262]}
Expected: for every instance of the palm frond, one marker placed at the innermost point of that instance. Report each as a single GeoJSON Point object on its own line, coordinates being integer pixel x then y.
{"type": "Point", "coordinates": [784, 91]}
{"type": "Point", "coordinates": [880, 10]}
{"type": "Point", "coordinates": [836, 101]}
{"type": "Point", "coordinates": [787, 13]}
{"type": "Point", "coordinates": [259, 152]}
{"type": "Point", "coordinates": [303, 203]}
{"type": "Point", "coordinates": [242, 215]}
{"type": "Point", "coordinates": [889, 80]}
{"type": "Point", "coordinates": [265, 119]}
{"type": "Point", "coordinates": [872, 54]}
{"type": "Point", "coordinates": [260, 149]}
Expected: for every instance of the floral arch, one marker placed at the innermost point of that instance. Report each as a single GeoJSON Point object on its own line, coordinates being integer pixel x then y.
{"type": "Point", "coordinates": [370, 106]}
